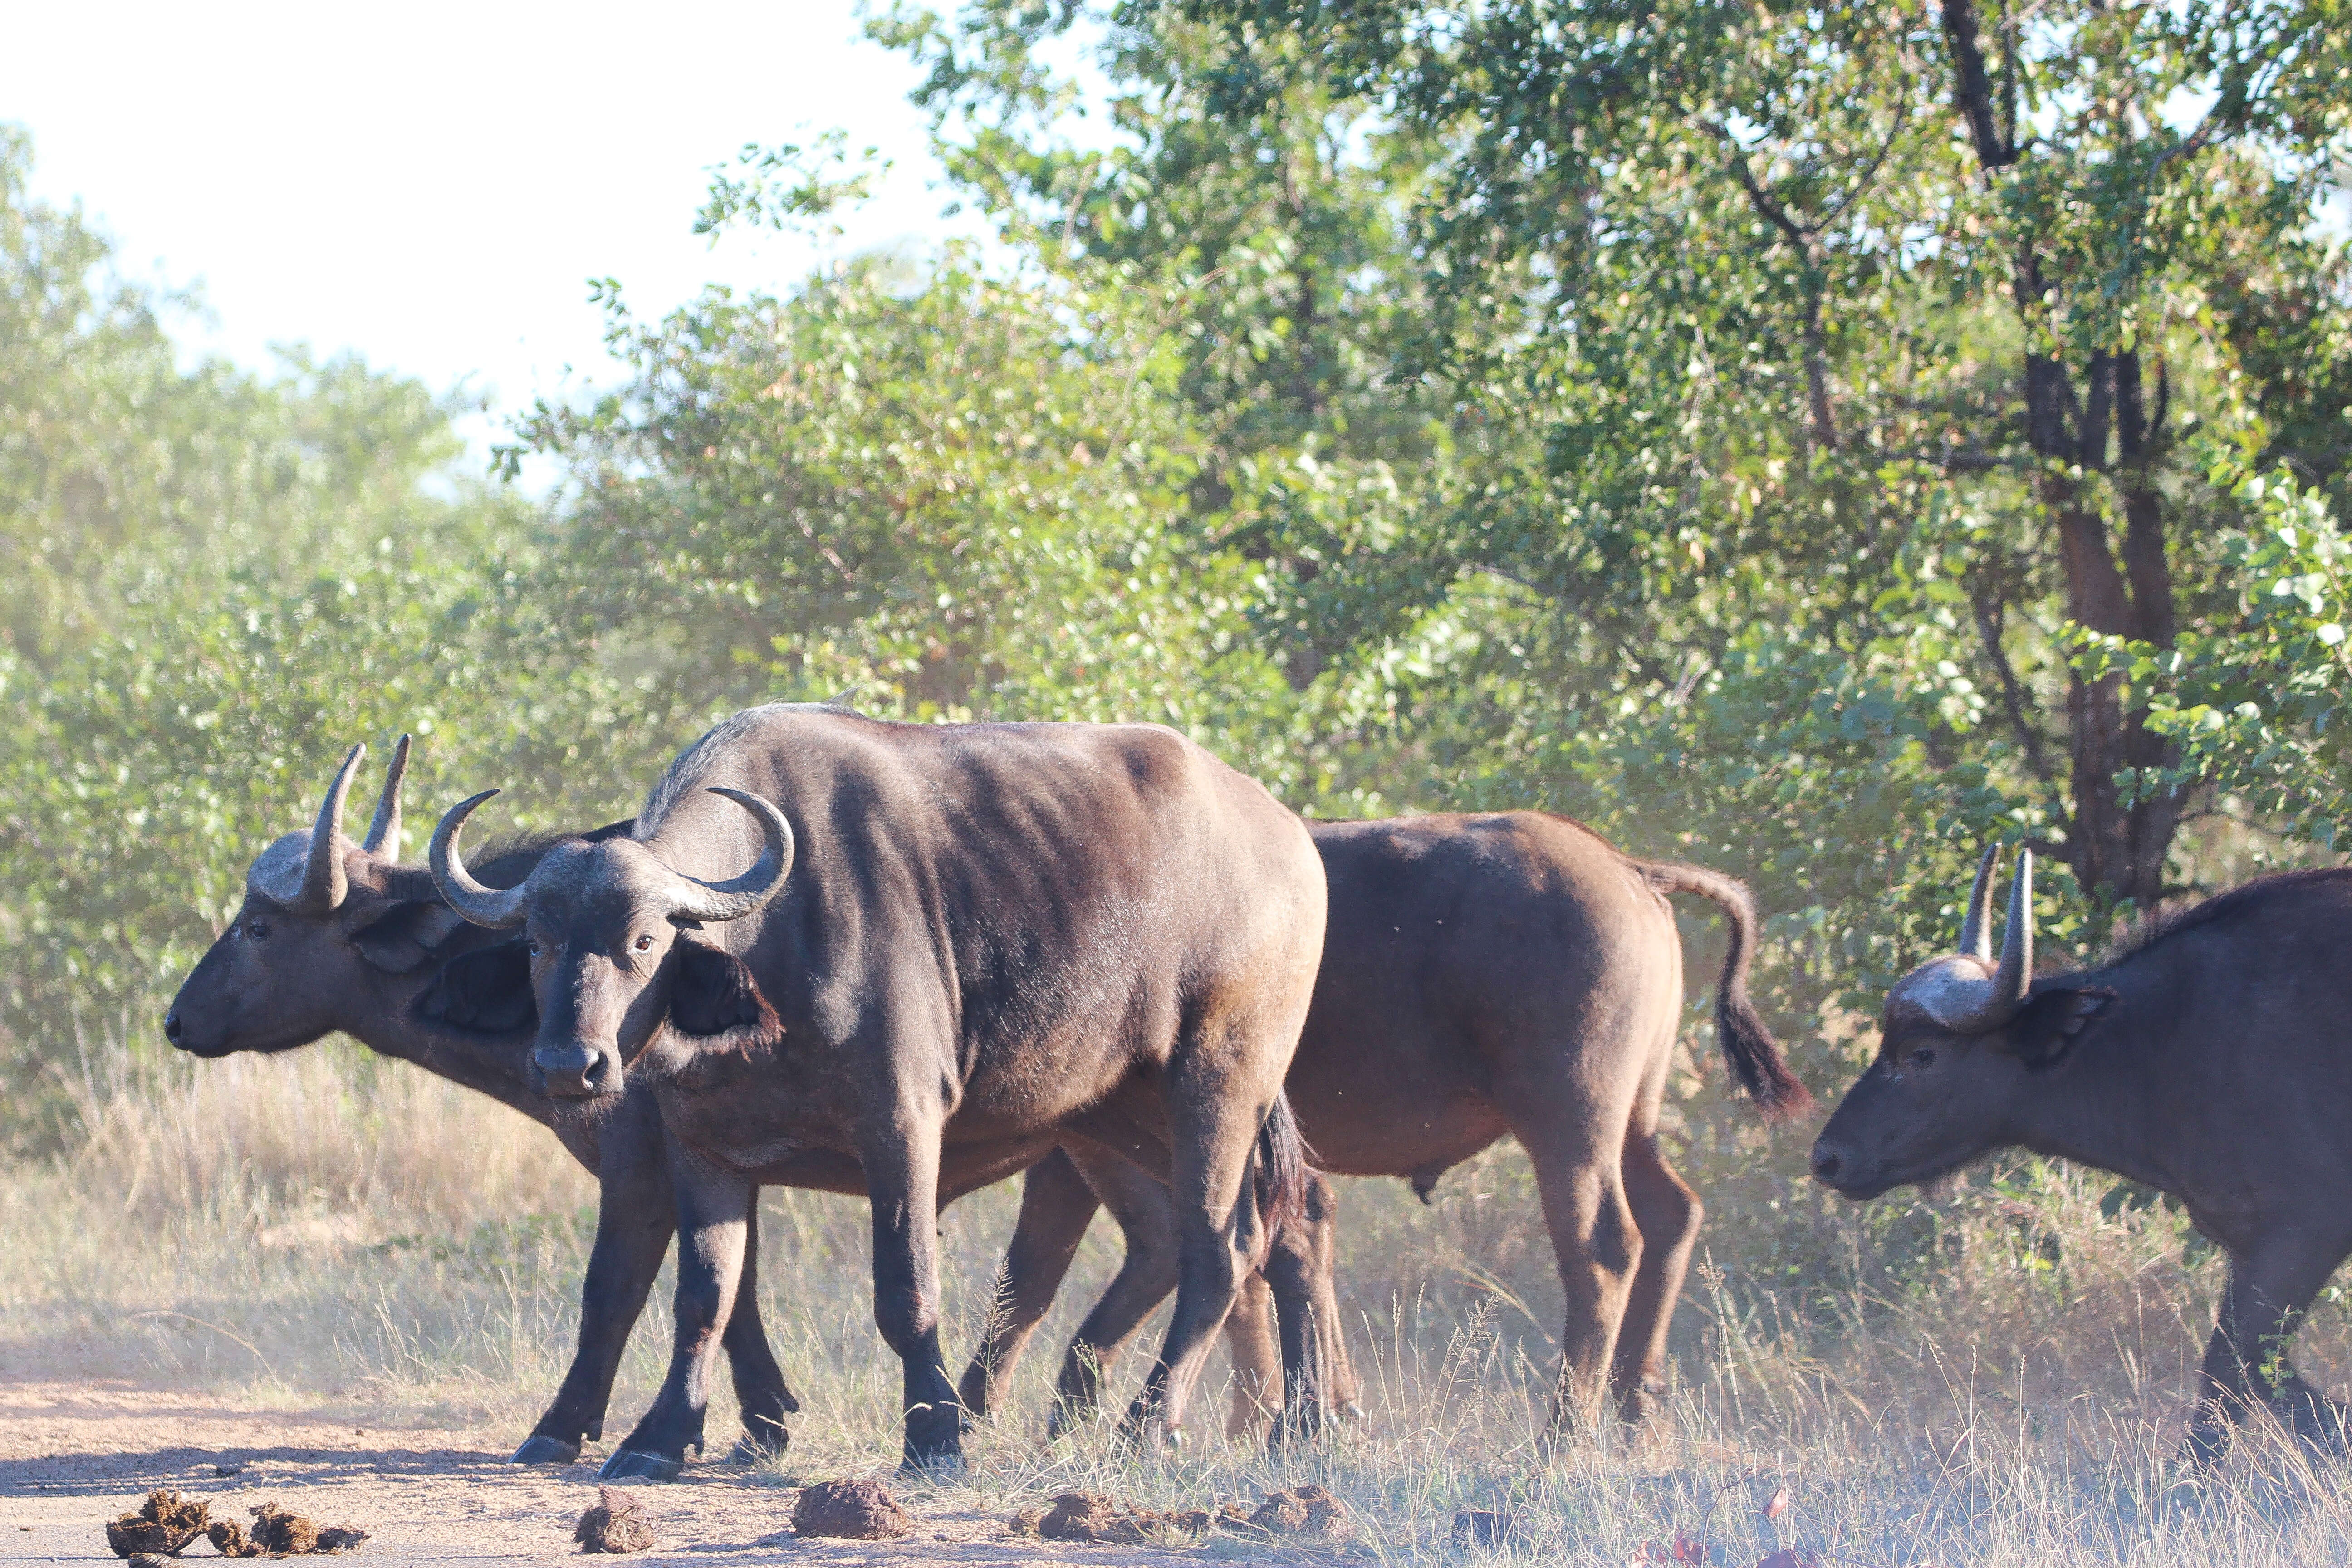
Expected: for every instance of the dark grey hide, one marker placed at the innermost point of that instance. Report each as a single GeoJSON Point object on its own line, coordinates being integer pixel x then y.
{"type": "Point", "coordinates": [2211, 1060]}
{"type": "Point", "coordinates": [334, 936]}
{"type": "Point", "coordinates": [954, 947]}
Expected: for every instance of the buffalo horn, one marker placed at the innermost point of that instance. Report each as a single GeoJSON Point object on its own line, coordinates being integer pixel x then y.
{"type": "Point", "coordinates": [2015, 978]}
{"type": "Point", "coordinates": [1980, 1006]}
{"type": "Point", "coordinates": [484, 906]}
{"type": "Point", "coordinates": [322, 885]}
{"type": "Point", "coordinates": [1976, 929]}
{"type": "Point", "coordinates": [696, 899]}
{"type": "Point", "coordinates": [383, 833]}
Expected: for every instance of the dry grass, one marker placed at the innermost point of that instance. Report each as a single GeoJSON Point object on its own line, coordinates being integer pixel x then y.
{"type": "Point", "coordinates": [1997, 1375]}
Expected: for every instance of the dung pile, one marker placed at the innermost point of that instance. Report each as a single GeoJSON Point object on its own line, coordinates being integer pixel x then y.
{"type": "Point", "coordinates": [850, 1511]}
{"type": "Point", "coordinates": [167, 1522]}
{"type": "Point", "coordinates": [1307, 1511]}
{"type": "Point", "coordinates": [1100, 1517]}
{"type": "Point", "coordinates": [278, 1533]}
{"type": "Point", "coordinates": [1308, 1514]}
{"type": "Point", "coordinates": [618, 1523]}
{"type": "Point", "coordinates": [164, 1523]}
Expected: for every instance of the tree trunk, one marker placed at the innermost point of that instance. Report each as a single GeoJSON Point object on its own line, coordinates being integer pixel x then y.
{"type": "Point", "coordinates": [2118, 850]}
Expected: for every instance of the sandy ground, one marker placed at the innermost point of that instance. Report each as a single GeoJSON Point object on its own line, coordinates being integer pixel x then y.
{"type": "Point", "coordinates": [73, 1456]}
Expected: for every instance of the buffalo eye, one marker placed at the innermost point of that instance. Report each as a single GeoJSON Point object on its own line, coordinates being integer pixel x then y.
{"type": "Point", "coordinates": [643, 944]}
{"type": "Point", "coordinates": [532, 948]}
{"type": "Point", "coordinates": [257, 931]}
{"type": "Point", "coordinates": [1924, 1056]}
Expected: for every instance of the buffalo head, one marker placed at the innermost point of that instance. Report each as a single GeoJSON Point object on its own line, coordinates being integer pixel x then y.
{"type": "Point", "coordinates": [605, 924]}
{"type": "Point", "coordinates": [319, 923]}
{"type": "Point", "coordinates": [1960, 1040]}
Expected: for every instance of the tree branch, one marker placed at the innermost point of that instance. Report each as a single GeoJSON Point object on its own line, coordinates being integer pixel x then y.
{"type": "Point", "coordinates": [2012, 691]}
{"type": "Point", "coordinates": [1972, 86]}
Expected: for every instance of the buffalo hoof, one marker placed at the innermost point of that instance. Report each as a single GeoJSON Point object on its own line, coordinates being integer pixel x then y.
{"type": "Point", "coordinates": [541, 1449]}
{"type": "Point", "coordinates": [2207, 1441]}
{"type": "Point", "coordinates": [638, 1465]}
{"type": "Point", "coordinates": [944, 1466]}
{"type": "Point", "coordinates": [752, 1449]}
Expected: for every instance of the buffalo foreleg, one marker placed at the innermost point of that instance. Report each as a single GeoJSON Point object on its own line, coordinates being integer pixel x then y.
{"type": "Point", "coordinates": [713, 1216]}
{"type": "Point", "coordinates": [1256, 1350]}
{"type": "Point", "coordinates": [2246, 1367]}
{"type": "Point", "coordinates": [759, 1388]}
{"type": "Point", "coordinates": [635, 1220]}
{"type": "Point", "coordinates": [1056, 1206]}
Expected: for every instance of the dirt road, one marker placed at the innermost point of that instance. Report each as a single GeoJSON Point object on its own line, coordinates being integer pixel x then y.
{"type": "Point", "coordinates": [74, 1456]}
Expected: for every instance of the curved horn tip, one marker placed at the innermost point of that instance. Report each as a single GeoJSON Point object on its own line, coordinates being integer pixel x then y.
{"type": "Point", "coordinates": [483, 906]}
{"type": "Point", "coordinates": [739, 896]}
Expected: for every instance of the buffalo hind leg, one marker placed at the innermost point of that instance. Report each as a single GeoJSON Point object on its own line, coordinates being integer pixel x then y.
{"type": "Point", "coordinates": [1220, 1238]}
{"type": "Point", "coordinates": [1667, 1215]}
{"type": "Point", "coordinates": [1318, 1380]}
{"type": "Point", "coordinates": [1056, 1207]}
{"type": "Point", "coordinates": [760, 1387]}
{"type": "Point", "coordinates": [713, 1213]}
{"type": "Point", "coordinates": [635, 1217]}
{"type": "Point", "coordinates": [1254, 1347]}
{"type": "Point", "coordinates": [902, 1179]}
{"type": "Point", "coordinates": [1599, 1248]}
{"type": "Point", "coordinates": [1148, 1273]}
{"type": "Point", "coordinates": [2246, 1367]}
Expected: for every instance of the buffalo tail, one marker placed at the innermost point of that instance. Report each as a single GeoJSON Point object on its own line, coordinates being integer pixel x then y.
{"type": "Point", "coordinates": [1748, 1049]}
{"type": "Point", "coordinates": [1282, 1174]}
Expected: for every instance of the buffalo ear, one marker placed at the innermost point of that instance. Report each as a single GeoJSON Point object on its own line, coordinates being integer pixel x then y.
{"type": "Point", "coordinates": [485, 992]}
{"type": "Point", "coordinates": [2046, 1026]}
{"type": "Point", "coordinates": [400, 934]}
{"type": "Point", "coordinates": [714, 999]}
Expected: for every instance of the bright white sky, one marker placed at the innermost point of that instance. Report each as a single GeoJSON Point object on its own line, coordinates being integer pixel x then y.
{"type": "Point", "coordinates": [432, 183]}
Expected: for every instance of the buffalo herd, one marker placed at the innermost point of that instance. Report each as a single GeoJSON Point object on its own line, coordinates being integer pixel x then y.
{"type": "Point", "coordinates": [908, 961]}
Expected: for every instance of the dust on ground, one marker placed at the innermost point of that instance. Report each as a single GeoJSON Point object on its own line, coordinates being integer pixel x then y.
{"type": "Point", "coordinates": [74, 1456]}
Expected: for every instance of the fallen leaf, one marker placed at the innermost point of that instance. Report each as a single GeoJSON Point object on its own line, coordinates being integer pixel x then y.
{"type": "Point", "coordinates": [1779, 1505]}
{"type": "Point", "coordinates": [1686, 1549]}
{"type": "Point", "coordinates": [1790, 1558]}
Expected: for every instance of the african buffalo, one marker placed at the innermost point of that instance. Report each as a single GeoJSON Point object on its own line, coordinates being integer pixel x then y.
{"type": "Point", "coordinates": [2209, 1059]}
{"type": "Point", "coordinates": [1481, 975]}
{"type": "Point", "coordinates": [955, 945]}
{"type": "Point", "coordinates": [337, 936]}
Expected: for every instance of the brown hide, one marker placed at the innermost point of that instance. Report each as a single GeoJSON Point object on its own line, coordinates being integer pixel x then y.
{"type": "Point", "coordinates": [1481, 975]}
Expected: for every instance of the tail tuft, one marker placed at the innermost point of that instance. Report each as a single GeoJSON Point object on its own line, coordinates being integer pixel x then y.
{"type": "Point", "coordinates": [1282, 1172]}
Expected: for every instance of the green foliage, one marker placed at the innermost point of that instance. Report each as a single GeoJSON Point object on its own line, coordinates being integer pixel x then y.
{"type": "Point", "coordinates": [217, 582]}
{"type": "Point", "coordinates": [2255, 699]}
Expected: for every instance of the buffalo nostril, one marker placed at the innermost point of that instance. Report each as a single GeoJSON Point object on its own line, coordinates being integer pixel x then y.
{"type": "Point", "coordinates": [172, 1028]}
{"type": "Point", "coordinates": [1826, 1164]}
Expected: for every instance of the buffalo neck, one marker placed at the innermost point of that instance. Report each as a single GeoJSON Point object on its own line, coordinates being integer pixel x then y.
{"type": "Point", "coordinates": [2095, 1104]}
{"type": "Point", "coordinates": [495, 1064]}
